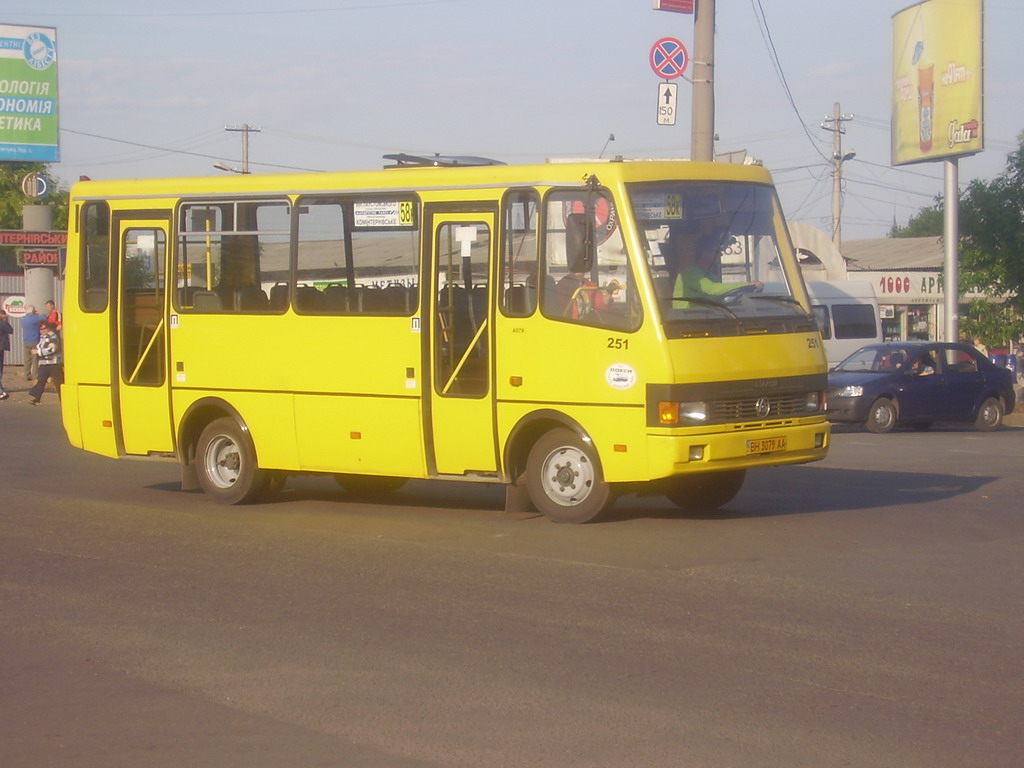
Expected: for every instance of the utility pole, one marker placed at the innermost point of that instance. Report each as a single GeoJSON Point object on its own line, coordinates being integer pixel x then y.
{"type": "Point", "coordinates": [835, 125]}
{"type": "Point", "coordinates": [245, 130]}
{"type": "Point", "coordinates": [702, 119]}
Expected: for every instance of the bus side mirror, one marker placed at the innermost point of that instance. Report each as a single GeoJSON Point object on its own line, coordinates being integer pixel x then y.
{"type": "Point", "coordinates": [579, 242]}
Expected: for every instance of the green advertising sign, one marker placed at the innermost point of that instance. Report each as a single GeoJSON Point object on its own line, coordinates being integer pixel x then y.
{"type": "Point", "coordinates": [29, 129]}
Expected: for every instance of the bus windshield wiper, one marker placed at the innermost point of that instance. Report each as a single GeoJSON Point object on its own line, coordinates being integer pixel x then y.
{"type": "Point", "coordinates": [774, 297]}
{"type": "Point", "coordinates": [704, 301]}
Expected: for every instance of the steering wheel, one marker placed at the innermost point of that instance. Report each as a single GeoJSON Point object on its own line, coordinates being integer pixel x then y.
{"type": "Point", "coordinates": [731, 297]}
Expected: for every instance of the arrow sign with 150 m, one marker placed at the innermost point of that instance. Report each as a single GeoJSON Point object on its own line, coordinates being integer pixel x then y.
{"type": "Point", "coordinates": [667, 103]}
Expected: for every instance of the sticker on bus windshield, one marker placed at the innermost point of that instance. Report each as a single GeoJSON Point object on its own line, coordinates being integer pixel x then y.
{"type": "Point", "coordinates": [384, 213]}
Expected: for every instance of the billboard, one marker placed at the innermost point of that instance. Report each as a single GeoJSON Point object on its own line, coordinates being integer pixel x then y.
{"type": "Point", "coordinates": [29, 131]}
{"type": "Point", "coordinates": [937, 83]}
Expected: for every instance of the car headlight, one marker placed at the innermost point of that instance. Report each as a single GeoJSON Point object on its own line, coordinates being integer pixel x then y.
{"type": "Point", "coordinates": [850, 391]}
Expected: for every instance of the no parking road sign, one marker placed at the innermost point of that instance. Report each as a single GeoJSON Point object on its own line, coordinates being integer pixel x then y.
{"type": "Point", "coordinates": [669, 58]}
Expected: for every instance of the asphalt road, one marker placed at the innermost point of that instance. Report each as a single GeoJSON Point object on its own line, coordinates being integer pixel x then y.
{"type": "Point", "coordinates": [863, 611]}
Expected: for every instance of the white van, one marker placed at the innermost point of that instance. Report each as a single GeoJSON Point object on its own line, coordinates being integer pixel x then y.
{"type": "Point", "coordinates": [847, 315]}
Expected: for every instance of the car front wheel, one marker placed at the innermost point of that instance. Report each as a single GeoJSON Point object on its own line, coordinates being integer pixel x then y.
{"type": "Point", "coordinates": [990, 415]}
{"type": "Point", "coordinates": [881, 416]}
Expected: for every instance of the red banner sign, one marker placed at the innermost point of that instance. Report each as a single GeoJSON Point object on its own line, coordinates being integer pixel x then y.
{"type": "Point", "coordinates": [38, 239]}
{"type": "Point", "coordinates": [39, 259]}
{"type": "Point", "coordinates": [676, 6]}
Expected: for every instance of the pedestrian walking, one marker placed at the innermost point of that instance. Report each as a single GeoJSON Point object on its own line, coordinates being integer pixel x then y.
{"type": "Point", "coordinates": [6, 331]}
{"type": "Point", "coordinates": [30, 337]}
{"type": "Point", "coordinates": [51, 365]}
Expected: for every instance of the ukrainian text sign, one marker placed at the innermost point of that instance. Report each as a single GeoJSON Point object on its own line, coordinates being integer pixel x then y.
{"type": "Point", "coordinates": [29, 130]}
{"type": "Point", "coordinates": [52, 239]}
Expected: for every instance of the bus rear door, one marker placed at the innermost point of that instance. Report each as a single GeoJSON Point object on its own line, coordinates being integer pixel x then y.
{"type": "Point", "coordinates": [141, 388]}
{"type": "Point", "coordinates": [459, 397]}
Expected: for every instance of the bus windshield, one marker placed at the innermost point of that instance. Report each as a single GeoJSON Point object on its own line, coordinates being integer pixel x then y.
{"type": "Point", "coordinates": [711, 248]}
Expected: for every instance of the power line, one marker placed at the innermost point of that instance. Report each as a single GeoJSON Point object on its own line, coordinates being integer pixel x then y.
{"type": "Point", "coordinates": [276, 12]}
{"type": "Point", "coordinates": [766, 35]}
{"type": "Point", "coordinates": [180, 151]}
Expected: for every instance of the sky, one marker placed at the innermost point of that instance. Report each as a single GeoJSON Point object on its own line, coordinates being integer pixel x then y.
{"type": "Point", "coordinates": [336, 84]}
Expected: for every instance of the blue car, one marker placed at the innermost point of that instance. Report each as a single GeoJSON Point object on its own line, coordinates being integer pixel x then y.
{"type": "Point", "coordinates": [916, 383]}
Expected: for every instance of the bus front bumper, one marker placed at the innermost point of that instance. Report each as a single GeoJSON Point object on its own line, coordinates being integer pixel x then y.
{"type": "Point", "coordinates": [738, 448]}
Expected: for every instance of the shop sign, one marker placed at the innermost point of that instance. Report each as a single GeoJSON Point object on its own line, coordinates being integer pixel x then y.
{"type": "Point", "coordinates": [906, 287]}
{"type": "Point", "coordinates": [38, 258]}
{"type": "Point", "coordinates": [14, 306]}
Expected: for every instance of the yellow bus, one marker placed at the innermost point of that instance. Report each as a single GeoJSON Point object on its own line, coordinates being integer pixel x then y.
{"type": "Point", "coordinates": [446, 318]}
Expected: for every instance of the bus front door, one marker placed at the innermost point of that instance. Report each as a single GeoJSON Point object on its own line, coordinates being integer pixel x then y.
{"type": "Point", "coordinates": [141, 389]}
{"type": "Point", "coordinates": [459, 407]}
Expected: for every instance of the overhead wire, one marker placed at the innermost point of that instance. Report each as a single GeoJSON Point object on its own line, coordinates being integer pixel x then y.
{"type": "Point", "coordinates": [182, 151]}
{"type": "Point", "coordinates": [773, 54]}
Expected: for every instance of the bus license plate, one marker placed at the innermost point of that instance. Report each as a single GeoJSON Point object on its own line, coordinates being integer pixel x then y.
{"type": "Point", "coordinates": [766, 445]}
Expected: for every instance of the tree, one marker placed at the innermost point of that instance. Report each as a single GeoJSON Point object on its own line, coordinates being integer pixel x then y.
{"type": "Point", "coordinates": [928, 222]}
{"type": "Point", "coordinates": [991, 249]}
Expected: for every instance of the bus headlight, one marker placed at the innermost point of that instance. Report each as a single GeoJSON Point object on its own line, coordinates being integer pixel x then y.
{"type": "Point", "coordinates": [677, 413]}
{"type": "Point", "coordinates": [813, 402]}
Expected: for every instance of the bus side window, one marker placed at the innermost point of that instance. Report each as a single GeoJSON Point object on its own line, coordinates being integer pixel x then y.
{"type": "Point", "coordinates": [94, 256]}
{"type": "Point", "coordinates": [357, 256]}
{"type": "Point", "coordinates": [229, 253]}
{"type": "Point", "coordinates": [586, 275]}
{"type": "Point", "coordinates": [519, 257]}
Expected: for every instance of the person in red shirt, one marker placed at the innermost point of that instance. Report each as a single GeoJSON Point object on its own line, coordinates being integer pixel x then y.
{"type": "Point", "coordinates": [53, 316]}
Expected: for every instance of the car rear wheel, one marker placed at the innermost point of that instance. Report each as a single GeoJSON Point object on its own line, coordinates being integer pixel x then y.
{"type": "Point", "coordinates": [990, 415]}
{"type": "Point", "coordinates": [881, 416]}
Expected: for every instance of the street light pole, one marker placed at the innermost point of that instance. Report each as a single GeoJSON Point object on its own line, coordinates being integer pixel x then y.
{"type": "Point", "coordinates": [702, 119]}
{"type": "Point", "coordinates": [835, 124]}
{"type": "Point", "coordinates": [245, 130]}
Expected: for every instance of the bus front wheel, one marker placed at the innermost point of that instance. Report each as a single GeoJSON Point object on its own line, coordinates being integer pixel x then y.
{"type": "Point", "coordinates": [705, 491]}
{"type": "Point", "coordinates": [226, 464]}
{"type": "Point", "coordinates": [564, 480]}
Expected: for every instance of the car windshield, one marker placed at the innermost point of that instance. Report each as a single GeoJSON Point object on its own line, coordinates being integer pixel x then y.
{"type": "Point", "coordinates": [876, 360]}
{"type": "Point", "coordinates": [712, 249]}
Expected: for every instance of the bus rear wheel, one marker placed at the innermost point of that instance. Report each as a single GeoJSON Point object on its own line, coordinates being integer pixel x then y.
{"type": "Point", "coordinates": [706, 491]}
{"type": "Point", "coordinates": [369, 485]}
{"type": "Point", "coordinates": [226, 464]}
{"type": "Point", "coordinates": [564, 480]}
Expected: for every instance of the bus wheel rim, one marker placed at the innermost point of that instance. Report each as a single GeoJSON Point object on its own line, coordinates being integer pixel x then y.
{"type": "Point", "coordinates": [222, 462]}
{"type": "Point", "coordinates": [568, 476]}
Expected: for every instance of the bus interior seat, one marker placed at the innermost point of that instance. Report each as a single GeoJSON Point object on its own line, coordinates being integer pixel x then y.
{"type": "Point", "coordinates": [252, 297]}
{"type": "Point", "coordinates": [207, 301]}
{"type": "Point", "coordinates": [279, 296]}
{"type": "Point", "coordinates": [308, 298]}
{"type": "Point", "coordinates": [520, 300]}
